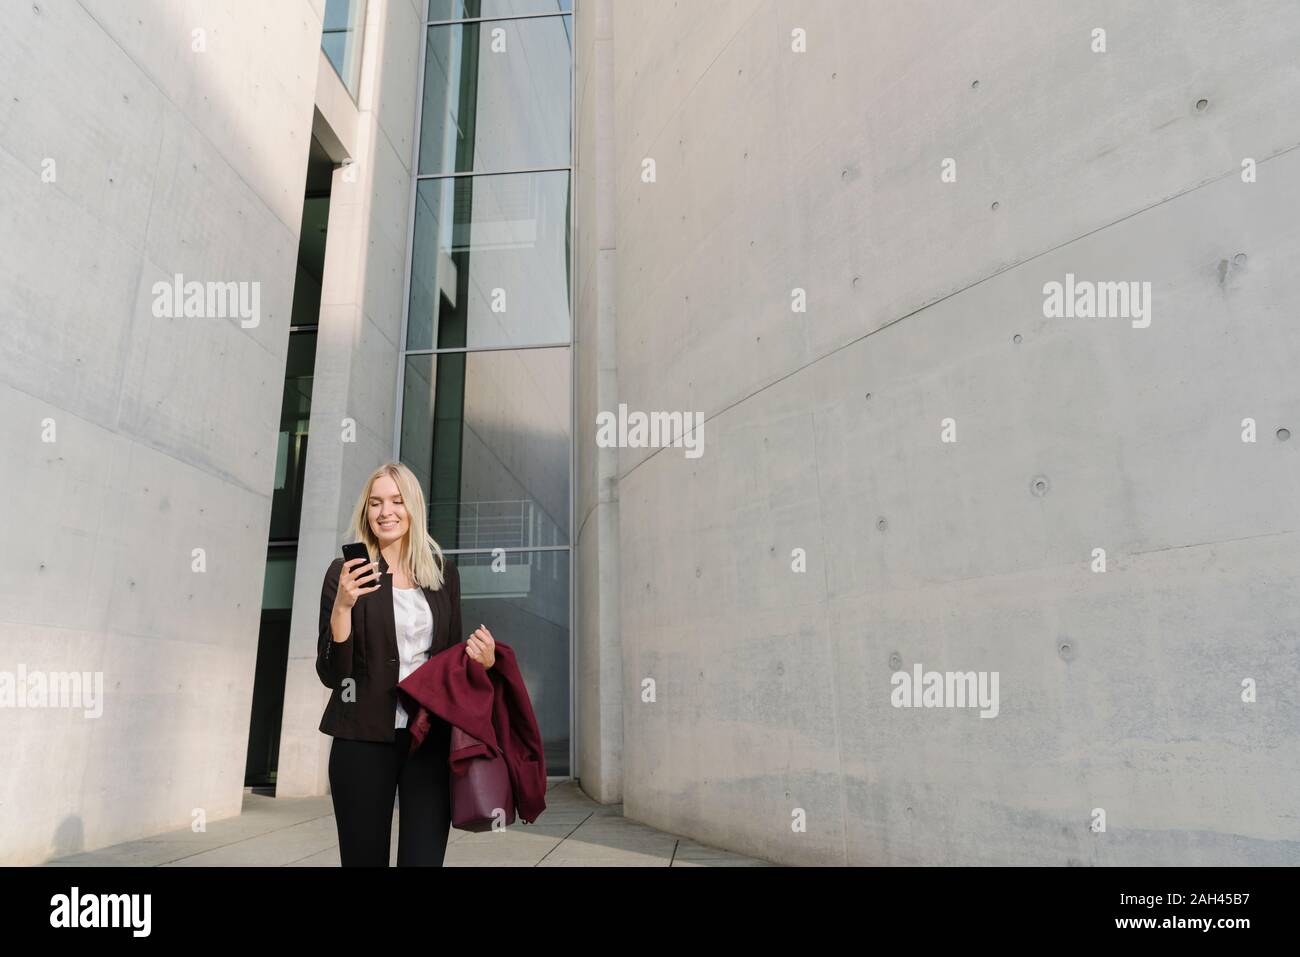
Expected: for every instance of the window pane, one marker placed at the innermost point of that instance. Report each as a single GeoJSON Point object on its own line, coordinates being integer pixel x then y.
{"type": "Point", "coordinates": [487, 434]}
{"type": "Point", "coordinates": [460, 9]}
{"type": "Point", "coordinates": [523, 599]}
{"type": "Point", "coordinates": [496, 96]}
{"type": "Point", "coordinates": [490, 265]}
{"type": "Point", "coordinates": [341, 39]}
{"type": "Point", "coordinates": [291, 454]}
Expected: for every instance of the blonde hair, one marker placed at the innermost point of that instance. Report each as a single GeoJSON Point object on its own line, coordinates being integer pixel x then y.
{"type": "Point", "coordinates": [418, 547]}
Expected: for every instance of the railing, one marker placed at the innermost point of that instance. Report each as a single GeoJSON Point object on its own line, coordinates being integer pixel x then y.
{"type": "Point", "coordinates": [498, 523]}
{"type": "Point", "coordinates": [505, 523]}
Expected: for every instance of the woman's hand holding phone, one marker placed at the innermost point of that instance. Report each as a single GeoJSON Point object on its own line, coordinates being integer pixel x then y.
{"type": "Point", "coordinates": [357, 574]}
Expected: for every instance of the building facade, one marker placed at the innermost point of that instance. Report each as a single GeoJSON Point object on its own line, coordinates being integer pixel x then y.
{"type": "Point", "coordinates": [970, 326]}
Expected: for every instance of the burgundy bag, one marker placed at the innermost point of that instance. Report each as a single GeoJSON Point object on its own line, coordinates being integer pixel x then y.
{"type": "Point", "coordinates": [480, 785]}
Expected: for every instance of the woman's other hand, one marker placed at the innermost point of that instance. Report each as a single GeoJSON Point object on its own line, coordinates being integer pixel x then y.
{"type": "Point", "coordinates": [480, 645]}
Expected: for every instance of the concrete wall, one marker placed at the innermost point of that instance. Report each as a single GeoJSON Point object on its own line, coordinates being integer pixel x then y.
{"type": "Point", "coordinates": [356, 352]}
{"type": "Point", "coordinates": [133, 440]}
{"type": "Point", "coordinates": [821, 171]}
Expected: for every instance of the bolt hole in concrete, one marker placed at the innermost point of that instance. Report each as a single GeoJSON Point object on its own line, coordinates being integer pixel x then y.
{"type": "Point", "coordinates": [995, 205]}
{"type": "Point", "coordinates": [1016, 338]}
{"type": "Point", "coordinates": [975, 85]}
{"type": "Point", "coordinates": [1202, 105]}
{"type": "Point", "coordinates": [1039, 485]}
{"type": "Point", "coordinates": [1283, 434]}
{"type": "Point", "coordinates": [882, 525]}
{"type": "Point", "coordinates": [1239, 259]}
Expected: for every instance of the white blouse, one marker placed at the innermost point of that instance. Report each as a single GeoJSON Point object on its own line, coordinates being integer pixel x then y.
{"type": "Point", "coordinates": [414, 621]}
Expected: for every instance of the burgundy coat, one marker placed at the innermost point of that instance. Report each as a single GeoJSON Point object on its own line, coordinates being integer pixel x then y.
{"type": "Point", "coordinates": [490, 704]}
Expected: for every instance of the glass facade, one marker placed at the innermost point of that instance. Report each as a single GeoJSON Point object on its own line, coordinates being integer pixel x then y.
{"type": "Point", "coordinates": [486, 375]}
{"type": "Point", "coordinates": [341, 39]}
{"type": "Point", "coordinates": [263, 755]}
{"type": "Point", "coordinates": [490, 261]}
{"type": "Point", "coordinates": [487, 111]}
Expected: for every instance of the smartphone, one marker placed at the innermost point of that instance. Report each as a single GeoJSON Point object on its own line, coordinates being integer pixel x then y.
{"type": "Point", "coordinates": [355, 550]}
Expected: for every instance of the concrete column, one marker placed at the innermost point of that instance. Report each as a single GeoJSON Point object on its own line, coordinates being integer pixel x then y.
{"type": "Point", "coordinates": [354, 393]}
{"type": "Point", "coordinates": [600, 679]}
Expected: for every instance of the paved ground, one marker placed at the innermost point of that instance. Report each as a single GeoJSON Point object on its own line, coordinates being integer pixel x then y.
{"type": "Point", "coordinates": [298, 832]}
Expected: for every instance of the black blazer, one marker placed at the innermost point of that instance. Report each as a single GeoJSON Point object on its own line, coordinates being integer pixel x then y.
{"type": "Point", "coordinates": [370, 653]}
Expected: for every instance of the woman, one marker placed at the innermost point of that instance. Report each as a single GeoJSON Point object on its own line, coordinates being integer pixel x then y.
{"type": "Point", "coordinates": [379, 621]}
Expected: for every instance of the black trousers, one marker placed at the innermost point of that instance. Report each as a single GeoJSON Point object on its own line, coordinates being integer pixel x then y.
{"type": "Point", "coordinates": [364, 775]}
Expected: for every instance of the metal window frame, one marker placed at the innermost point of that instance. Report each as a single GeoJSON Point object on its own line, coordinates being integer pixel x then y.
{"type": "Point", "coordinates": [495, 172]}
{"type": "Point", "coordinates": [451, 350]}
{"type": "Point", "coordinates": [502, 16]}
{"type": "Point", "coordinates": [403, 352]}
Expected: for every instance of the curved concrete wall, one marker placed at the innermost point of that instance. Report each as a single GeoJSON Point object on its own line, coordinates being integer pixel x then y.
{"type": "Point", "coordinates": [139, 142]}
{"type": "Point", "coordinates": [823, 171]}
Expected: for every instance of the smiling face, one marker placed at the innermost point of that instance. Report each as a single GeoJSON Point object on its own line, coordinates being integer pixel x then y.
{"type": "Point", "coordinates": [386, 512]}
